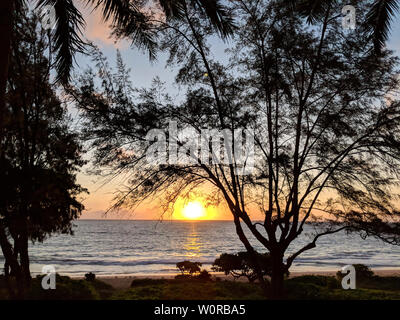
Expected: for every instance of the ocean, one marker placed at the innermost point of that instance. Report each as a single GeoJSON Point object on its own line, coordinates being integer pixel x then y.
{"type": "Point", "coordinates": [128, 247]}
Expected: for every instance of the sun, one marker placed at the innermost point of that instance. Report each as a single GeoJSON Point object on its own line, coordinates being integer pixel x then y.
{"type": "Point", "coordinates": [193, 210]}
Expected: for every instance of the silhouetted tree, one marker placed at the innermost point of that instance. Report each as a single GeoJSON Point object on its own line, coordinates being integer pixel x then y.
{"type": "Point", "coordinates": [241, 265]}
{"type": "Point", "coordinates": [41, 154]}
{"type": "Point", "coordinates": [322, 106]}
{"type": "Point", "coordinates": [188, 267]}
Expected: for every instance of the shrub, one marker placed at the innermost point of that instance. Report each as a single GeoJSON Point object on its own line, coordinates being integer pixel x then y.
{"type": "Point", "coordinates": [90, 276]}
{"type": "Point", "coordinates": [242, 265]}
{"type": "Point", "coordinates": [363, 272]}
{"type": "Point", "coordinates": [204, 275]}
{"type": "Point", "coordinates": [66, 289]}
{"type": "Point", "coordinates": [183, 277]}
{"type": "Point", "coordinates": [188, 267]}
{"type": "Point", "coordinates": [310, 287]}
{"type": "Point", "coordinates": [303, 291]}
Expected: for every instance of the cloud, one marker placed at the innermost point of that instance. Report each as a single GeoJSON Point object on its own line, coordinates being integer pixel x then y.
{"type": "Point", "coordinates": [99, 31]}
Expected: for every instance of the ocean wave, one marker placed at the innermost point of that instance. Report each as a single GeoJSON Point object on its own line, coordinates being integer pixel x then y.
{"type": "Point", "coordinates": [113, 262]}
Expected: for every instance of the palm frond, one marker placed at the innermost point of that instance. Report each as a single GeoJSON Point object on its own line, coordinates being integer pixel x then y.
{"type": "Point", "coordinates": [139, 30]}
{"type": "Point", "coordinates": [19, 5]}
{"type": "Point", "coordinates": [128, 21]}
{"type": "Point", "coordinates": [313, 10]}
{"type": "Point", "coordinates": [213, 9]}
{"type": "Point", "coordinates": [217, 14]}
{"type": "Point", "coordinates": [115, 11]}
{"type": "Point", "coordinates": [172, 8]}
{"type": "Point", "coordinates": [379, 19]}
{"type": "Point", "coordinates": [66, 35]}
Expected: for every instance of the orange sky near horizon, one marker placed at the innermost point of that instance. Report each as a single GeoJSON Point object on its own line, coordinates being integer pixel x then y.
{"type": "Point", "coordinates": [102, 194]}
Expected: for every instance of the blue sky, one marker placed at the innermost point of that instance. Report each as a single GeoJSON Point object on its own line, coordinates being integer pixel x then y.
{"type": "Point", "coordinates": [141, 69]}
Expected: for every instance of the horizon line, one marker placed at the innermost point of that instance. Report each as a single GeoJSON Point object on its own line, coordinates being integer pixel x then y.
{"type": "Point", "coordinates": [188, 220]}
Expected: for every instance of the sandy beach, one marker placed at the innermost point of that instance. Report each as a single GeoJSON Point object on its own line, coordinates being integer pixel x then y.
{"type": "Point", "coordinates": [124, 282]}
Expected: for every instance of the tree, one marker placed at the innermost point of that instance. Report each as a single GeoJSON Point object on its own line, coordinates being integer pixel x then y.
{"type": "Point", "coordinates": [317, 100]}
{"type": "Point", "coordinates": [241, 265]}
{"type": "Point", "coordinates": [188, 268]}
{"type": "Point", "coordinates": [41, 154]}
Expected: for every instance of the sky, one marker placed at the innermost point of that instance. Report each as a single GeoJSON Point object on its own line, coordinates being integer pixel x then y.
{"type": "Point", "coordinates": [142, 73]}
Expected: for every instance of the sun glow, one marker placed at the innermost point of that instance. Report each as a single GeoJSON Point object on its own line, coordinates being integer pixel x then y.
{"type": "Point", "coordinates": [193, 210]}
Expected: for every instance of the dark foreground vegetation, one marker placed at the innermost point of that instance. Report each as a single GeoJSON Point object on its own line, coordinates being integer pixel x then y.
{"type": "Point", "coordinates": [66, 289]}
{"type": "Point", "coordinates": [303, 287]}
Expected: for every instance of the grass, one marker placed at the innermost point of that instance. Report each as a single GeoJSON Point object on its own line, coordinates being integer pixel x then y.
{"type": "Point", "coordinates": [66, 289]}
{"type": "Point", "coordinates": [189, 290]}
{"type": "Point", "coordinates": [329, 288]}
{"type": "Point", "coordinates": [304, 287]}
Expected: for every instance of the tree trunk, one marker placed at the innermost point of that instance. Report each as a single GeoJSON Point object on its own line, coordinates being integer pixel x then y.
{"type": "Point", "coordinates": [277, 276]}
{"type": "Point", "coordinates": [21, 250]}
{"type": "Point", "coordinates": [20, 276]}
{"type": "Point", "coordinates": [8, 251]}
{"type": "Point", "coordinates": [252, 253]}
{"type": "Point", "coordinates": [11, 262]}
{"type": "Point", "coordinates": [24, 258]}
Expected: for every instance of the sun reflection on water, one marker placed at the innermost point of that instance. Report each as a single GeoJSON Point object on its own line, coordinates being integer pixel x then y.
{"type": "Point", "coordinates": [192, 244]}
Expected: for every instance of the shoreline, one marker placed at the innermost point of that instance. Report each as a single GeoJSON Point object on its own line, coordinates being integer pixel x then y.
{"type": "Point", "coordinates": [124, 281]}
